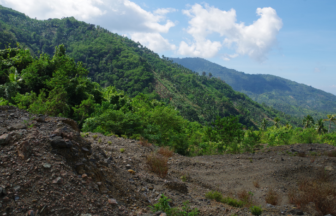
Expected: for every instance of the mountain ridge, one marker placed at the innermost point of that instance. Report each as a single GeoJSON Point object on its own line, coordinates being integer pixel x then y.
{"type": "Point", "coordinates": [283, 94]}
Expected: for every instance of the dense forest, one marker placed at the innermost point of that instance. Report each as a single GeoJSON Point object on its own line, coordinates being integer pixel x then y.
{"type": "Point", "coordinates": [114, 60]}
{"type": "Point", "coordinates": [59, 86]}
{"type": "Point", "coordinates": [282, 94]}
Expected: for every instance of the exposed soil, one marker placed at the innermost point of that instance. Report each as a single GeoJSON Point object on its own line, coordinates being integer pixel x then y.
{"type": "Point", "coordinates": [48, 168]}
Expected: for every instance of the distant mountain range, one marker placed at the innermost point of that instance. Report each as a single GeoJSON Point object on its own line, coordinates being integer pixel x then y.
{"type": "Point", "coordinates": [282, 94]}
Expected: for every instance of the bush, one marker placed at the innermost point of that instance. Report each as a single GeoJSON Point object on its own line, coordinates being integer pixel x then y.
{"type": "Point", "coordinates": [165, 152]}
{"type": "Point", "coordinates": [214, 195]}
{"type": "Point", "coordinates": [163, 205]}
{"type": "Point", "coordinates": [144, 142]}
{"type": "Point", "coordinates": [246, 197]}
{"type": "Point", "coordinates": [256, 210]}
{"type": "Point", "coordinates": [319, 190]}
{"type": "Point", "coordinates": [272, 197]}
{"type": "Point", "coordinates": [158, 164]}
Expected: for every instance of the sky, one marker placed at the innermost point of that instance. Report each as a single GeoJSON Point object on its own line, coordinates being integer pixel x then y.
{"type": "Point", "coordinates": [291, 39]}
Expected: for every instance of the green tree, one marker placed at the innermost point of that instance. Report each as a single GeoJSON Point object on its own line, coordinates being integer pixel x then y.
{"type": "Point", "coordinates": [263, 124]}
{"type": "Point", "coordinates": [276, 122]}
{"type": "Point", "coordinates": [320, 127]}
{"type": "Point", "coordinates": [308, 121]}
{"type": "Point", "coordinates": [331, 118]}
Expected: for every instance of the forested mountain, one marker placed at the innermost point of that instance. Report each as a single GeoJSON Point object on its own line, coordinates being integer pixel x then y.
{"type": "Point", "coordinates": [282, 94]}
{"type": "Point", "coordinates": [115, 60]}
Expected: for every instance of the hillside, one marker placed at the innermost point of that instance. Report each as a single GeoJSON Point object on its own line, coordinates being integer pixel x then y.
{"type": "Point", "coordinates": [116, 60]}
{"type": "Point", "coordinates": [282, 94]}
{"type": "Point", "coordinates": [49, 168]}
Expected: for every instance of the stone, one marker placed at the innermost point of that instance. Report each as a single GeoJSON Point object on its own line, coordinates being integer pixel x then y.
{"type": "Point", "coordinates": [58, 180]}
{"type": "Point", "coordinates": [128, 166]}
{"type": "Point", "coordinates": [46, 165]}
{"type": "Point", "coordinates": [16, 188]}
{"type": "Point", "coordinates": [17, 127]}
{"type": "Point", "coordinates": [4, 139]}
{"type": "Point", "coordinates": [112, 201]}
{"type": "Point", "coordinates": [59, 142]}
{"type": "Point", "coordinates": [329, 168]}
{"type": "Point", "coordinates": [24, 150]}
{"type": "Point", "coordinates": [178, 186]}
{"type": "Point", "coordinates": [85, 149]}
{"type": "Point", "coordinates": [131, 171]}
{"type": "Point", "coordinates": [84, 176]}
{"type": "Point", "coordinates": [295, 212]}
{"type": "Point", "coordinates": [269, 205]}
{"type": "Point", "coordinates": [86, 214]}
{"type": "Point", "coordinates": [30, 213]}
{"type": "Point", "coordinates": [71, 123]}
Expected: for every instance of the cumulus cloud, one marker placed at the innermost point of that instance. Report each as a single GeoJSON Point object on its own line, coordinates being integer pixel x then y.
{"type": "Point", "coordinates": [122, 16]}
{"type": "Point", "coordinates": [254, 40]}
{"type": "Point", "coordinates": [153, 41]}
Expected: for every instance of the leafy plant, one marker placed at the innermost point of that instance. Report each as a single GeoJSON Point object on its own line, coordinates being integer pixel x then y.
{"type": "Point", "coordinates": [256, 210]}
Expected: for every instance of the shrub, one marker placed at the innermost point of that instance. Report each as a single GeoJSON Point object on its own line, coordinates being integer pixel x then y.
{"type": "Point", "coordinates": [214, 195]}
{"type": "Point", "coordinates": [99, 141]}
{"type": "Point", "coordinates": [158, 164]}
{"type": "Point", "coordinates": [95, 136]}
{"type": "Point", "coordinates": [124, 136]}
{"type": "Point", "coordinates": [320, 190]}
{"type": "Point", "coordinates": [272, 197]}
{"type": "Point", "coordinates": [246, 197]}
{"type": "Point", "coordinates": [256, 210]}
{"type": "Point", "coordinates": [109, 142]}
{"type": "Point", "coordinates": [122, 150]}
{"type": "Point", "coordinates": [165, 152]}
{"type": "Point", "coordinates": [332, 153]}
{"type": "Point", "coordinates": [144, 142]}
{"type": "Point", "coordinates": [163, 205]}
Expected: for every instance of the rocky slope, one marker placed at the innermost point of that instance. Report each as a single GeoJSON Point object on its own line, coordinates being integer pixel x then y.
{"type": "Point", "coordinates": [48, 168]}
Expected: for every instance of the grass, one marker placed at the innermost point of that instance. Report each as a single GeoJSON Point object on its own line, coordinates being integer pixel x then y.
{"type": "Point", "coordinates": [246, 197]}
{"type": "Point", "coordinates": [318, 191]}
{"type": "Point", "coordinates": [165, 151]}
{"type": "Point", "coordinates": [144, 142]}
{"type": "Point", "coordinates": [272, 197]}
{"type": "Point", "coordinates": [109, 142]}
{"type": "Point", "coordinates": [158, 164]}
{"type": "Point", "coordinates": [95, 136]}
{"type": "Point", "coordinates": [99, 141]}
{"type": "Point", "coordinates": [122, 150]}
{"type": "Point", "coordinates": [215, 195]}
{"type": "Point", "coordinates": [256, 210]}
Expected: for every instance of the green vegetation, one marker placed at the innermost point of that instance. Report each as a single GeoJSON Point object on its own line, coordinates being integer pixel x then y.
{"type": "Point", "coordinates": [215, 195]}
{"type": "Point", "coordinates": [114, 60]}
{"type": "Point", "coordinates": [122, 150]}
{"type": "Point", "coordinates": [256, 210]}
{"type": "Point", "coordinates": [163, 205]}
{"type": "Point", "coordinates": [282, 94]}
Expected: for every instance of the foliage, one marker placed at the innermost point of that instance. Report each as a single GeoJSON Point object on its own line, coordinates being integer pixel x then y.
{"type": "Point", "coordinates": [256, 210]}
{"type": "Point", "coordinates": [282, 94]}
{"type": "Point", "coordinates": [114, 60]}
{"type": "Point", "coordinates": [163, 205]}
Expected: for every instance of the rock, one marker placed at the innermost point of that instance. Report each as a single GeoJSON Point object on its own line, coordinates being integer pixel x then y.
{"type": "Point", "coordinates": [24, 150]}
{"type": "Point", "coordinates": [30, 213]}
{"type": "Point", "coordinates": [163, 214]}
{"type": "Point", "coordinates": [40, 119]}
{"type": "Point", "coordinates": [59, 142]}
{"type": "Point", "coordinates": [329, 168]}
{"type": "Point", "coordinates": [86, 214]}
{"type": "Point", "coordinates": [4, 139]}
{"type": "Point", "coordinates": [131, 171]}
{"type": "Point", "coordinates": [16, 188]}
{"type": "Point", "coordinates": [17, 127]}
{"type": "Point", "coordinates": [85, 149]}
{"type": "Point", "coordinates": [269, 205]}
{"type": "Point", "coordinates": [2, 191]}
{"type": "Point", "coordinates": [58, 180]}
{"type": "Point", "coordinates": [128, 166]}
{"type": "Point", "coordinates": [295, 212]}
{"type": "Point", "coordinates": [112, 202]}
{"type": "Point", "coordinates": [178, 186]}
{"type": "Point", "coordinates": [71, 123]}
{"type": "Point", "coordinates": [84, 176]}
{"type": "Point", "coordinates": [46, 165]}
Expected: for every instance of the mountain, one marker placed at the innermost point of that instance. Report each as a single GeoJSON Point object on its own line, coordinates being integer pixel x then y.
{"type": "Point", "coordinates": [282, 94]}
{"type": "Point", "coordinates": [118, 61]}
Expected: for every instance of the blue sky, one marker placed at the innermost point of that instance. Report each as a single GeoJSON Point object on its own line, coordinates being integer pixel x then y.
{"type": "Point", "coordinates": [291, 39]}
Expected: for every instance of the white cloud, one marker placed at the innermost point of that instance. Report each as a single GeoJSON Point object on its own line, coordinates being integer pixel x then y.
{"type": "Point", "coordinates": [122, 16]}
{"type": "Point", "coordinates": [255, 40]}
{"type": "Point", "coordinates": [153, 41]}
